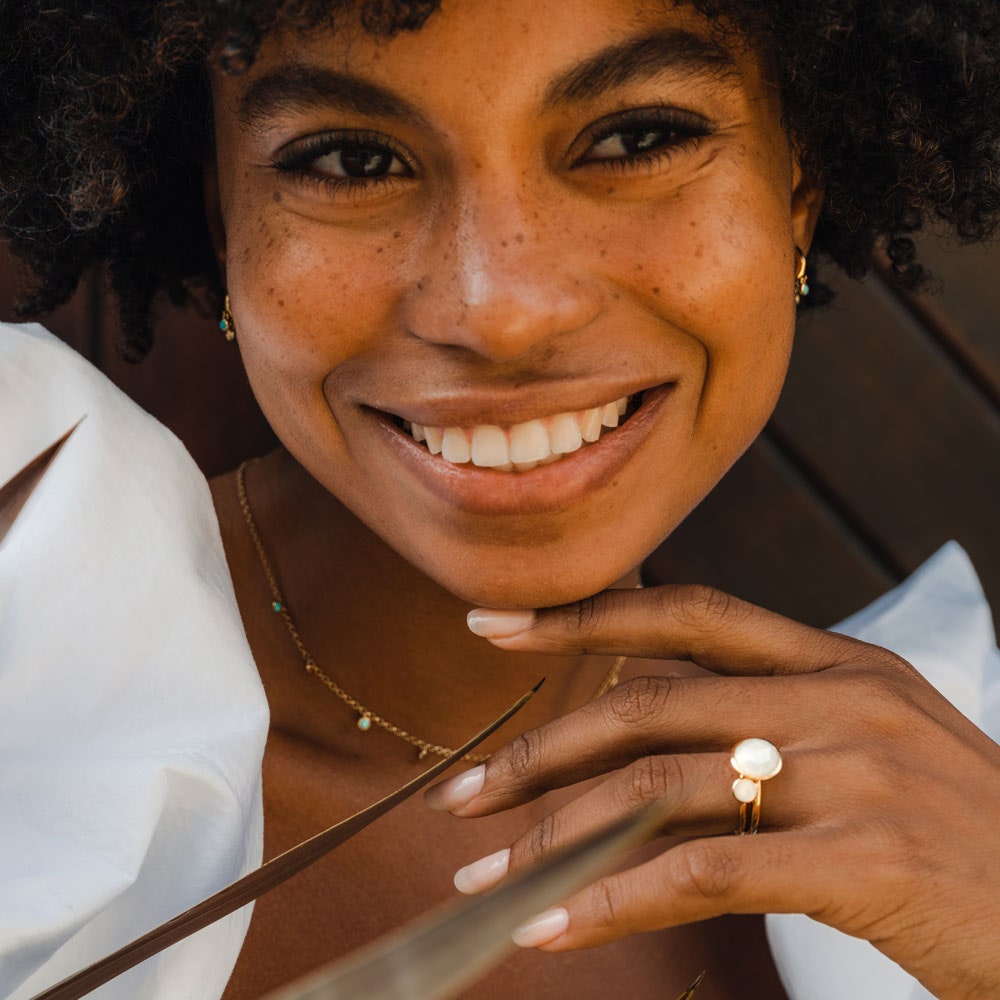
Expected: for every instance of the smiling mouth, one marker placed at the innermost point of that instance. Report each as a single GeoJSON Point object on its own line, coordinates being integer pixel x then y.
{"type": "Point", "coordinates": [523, 447]}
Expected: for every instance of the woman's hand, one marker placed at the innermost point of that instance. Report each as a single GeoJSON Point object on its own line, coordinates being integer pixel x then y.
{"type": "Point", "coordinates": [884, 821]}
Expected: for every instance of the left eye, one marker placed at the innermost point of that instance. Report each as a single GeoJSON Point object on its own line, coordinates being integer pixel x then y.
{"type": "Point", "coordinates": [359, 162]}
{"type": "Point", "coordinates": [631, 142]}
{"type": "Point", "coordinates": [641, 136]}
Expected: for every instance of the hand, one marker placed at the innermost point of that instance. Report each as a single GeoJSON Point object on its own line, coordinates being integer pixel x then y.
{"type": "Point", "coordinates": [883, 822]}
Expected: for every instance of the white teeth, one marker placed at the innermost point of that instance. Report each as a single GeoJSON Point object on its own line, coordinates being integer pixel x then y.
{"type": "Point", "coordinates": [564, 434]}
{"type": "Point", "coordinates": [434, 439]}
{"type": "Point", "coordinates": [489, 447]}
{"type": "Point", "coordinates": [590, 425]}
{"type": "Point", "coordinates": [529, 442]}
{"type": "Point", "coordinates": [524, 446]}
{"type": "Point", "coordinates": [455, 446]}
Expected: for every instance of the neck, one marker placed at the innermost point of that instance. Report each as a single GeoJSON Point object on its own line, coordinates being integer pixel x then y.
{"type": "Point", "coordinates": [389, 635]}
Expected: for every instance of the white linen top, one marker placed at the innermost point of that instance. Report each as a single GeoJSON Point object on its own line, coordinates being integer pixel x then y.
{"type": "Point", "coordinates": [131, 742]}
{"type": "Point", "coordinates": [132, 717]}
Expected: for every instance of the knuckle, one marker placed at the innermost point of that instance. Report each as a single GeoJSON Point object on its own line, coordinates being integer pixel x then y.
{"type": "Point", "coordinates": [609, 906]}
{"type": "Point", "coordinates": [883, 700]}
{"type": "Point", "coordinates": [524, 757]}
{"type": "Point", "coordinates": [650, 779]}
{"type": "Point", "coordinates": [893, 665]}
{"type": "Point", "coordinates": [638, 700]}
{"type": "Point", "coordinates": [696, 604]}
{"type": "Point", "coordinates": [588, 614]}
{"type": "Point", "coordinates": [697, 607]}
{"type": "Point", "coordinates": [708, 872]}
{"type": "Point", "coordinates": [540, 841]}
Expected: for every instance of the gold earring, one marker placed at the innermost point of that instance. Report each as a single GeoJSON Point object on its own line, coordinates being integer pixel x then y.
{"type": "Point", "coordinates": [801, 278]}
{"type": "Point", "coordinates": [226, 324]}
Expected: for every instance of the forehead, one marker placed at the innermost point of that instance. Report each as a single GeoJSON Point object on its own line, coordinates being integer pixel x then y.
{"type": "Point", "coordinates": [491, 52]}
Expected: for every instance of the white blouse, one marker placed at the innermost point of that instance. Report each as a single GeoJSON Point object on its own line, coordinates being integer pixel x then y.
{"type": "Point", "coordinates": [130, 744]}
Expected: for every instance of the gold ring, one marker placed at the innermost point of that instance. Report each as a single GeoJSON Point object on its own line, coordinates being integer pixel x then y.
{"type": "Point", "coordinates": [755, 760]}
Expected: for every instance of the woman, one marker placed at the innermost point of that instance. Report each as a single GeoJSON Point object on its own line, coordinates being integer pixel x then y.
{"type": "Point", "coordinates": [514, 286]}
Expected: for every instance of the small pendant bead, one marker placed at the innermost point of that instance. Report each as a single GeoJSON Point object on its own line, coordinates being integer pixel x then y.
{"type": "Point", "coordinates": [223, 325]}
{"type": "Point", "coordinates": [277, 606]}
{"type": "Point", "coordinates": [364, 723]}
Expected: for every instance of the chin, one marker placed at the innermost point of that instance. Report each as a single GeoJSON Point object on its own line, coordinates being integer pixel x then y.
{"type": "Point", "coordinates": [531, 580]}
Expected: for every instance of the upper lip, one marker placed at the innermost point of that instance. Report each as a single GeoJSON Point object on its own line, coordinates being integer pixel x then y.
{"type": "Point", "coordinates": [506, 407]}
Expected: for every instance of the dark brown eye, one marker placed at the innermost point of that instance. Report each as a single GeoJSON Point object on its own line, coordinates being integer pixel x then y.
{"type": "Point", "coordinates": [631, 142]}
{"type": "Point", "coordinates": [359, 161]}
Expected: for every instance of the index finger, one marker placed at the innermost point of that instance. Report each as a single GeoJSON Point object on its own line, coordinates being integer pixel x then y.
{"type": "Point", "coordinates": [676, 622]}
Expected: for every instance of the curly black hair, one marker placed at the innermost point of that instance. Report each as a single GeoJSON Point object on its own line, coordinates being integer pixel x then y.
{"type": "Point", "coordinates": [894, 105]}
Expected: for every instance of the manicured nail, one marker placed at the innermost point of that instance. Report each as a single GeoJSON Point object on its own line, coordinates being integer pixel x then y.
{"type": "Point", "coordinates": [458, 791]}
{"type": "Point", "coordinates": [491, 624]}
{"type": "Point", "coordinates": [483, 874]}
{"type": "Point", "coordinates": [542, 929]}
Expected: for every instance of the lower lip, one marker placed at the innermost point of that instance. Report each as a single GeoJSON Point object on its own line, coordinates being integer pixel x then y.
{"type": "Point", "coordinates": [544, 489]}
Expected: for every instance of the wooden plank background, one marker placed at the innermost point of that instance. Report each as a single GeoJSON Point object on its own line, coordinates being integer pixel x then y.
{"type": "Point", "coordinates": [885, 444]}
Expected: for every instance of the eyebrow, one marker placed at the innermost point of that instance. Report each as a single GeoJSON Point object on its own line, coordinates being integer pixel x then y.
{"type": "Point", "coordinates": [640, 59]}
{"type": "Point", "coordinates": [297, 87]}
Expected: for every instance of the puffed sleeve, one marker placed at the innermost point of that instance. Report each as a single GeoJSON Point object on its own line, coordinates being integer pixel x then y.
{"type": "Point", "coordinates": [132, 718]}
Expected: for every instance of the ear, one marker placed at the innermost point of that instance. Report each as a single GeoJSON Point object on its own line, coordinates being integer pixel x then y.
{"type": "Point", "coordinates": [807, 202]}
{"type": "Point", "coordinates": [213, 212]}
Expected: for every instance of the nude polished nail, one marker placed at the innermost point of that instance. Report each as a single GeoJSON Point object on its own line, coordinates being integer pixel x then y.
{"type": "Point", "coordinates": [542, 929]}
{"type": "Point", "coordinates": [458, 791]}
{"type": "Point", "coordinates": [492, 624]}
{"type": "Point", "coordinates": [483, 874]}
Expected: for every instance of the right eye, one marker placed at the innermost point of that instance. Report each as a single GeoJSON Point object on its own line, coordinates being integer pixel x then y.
{"type": "Point", "coordinates": [339, 160]}
{"type": "Point", "coordinates": [359, 162]}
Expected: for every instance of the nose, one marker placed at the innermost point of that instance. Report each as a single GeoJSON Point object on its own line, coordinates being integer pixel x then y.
{"type": "Point", "coordinates": [498, 279]}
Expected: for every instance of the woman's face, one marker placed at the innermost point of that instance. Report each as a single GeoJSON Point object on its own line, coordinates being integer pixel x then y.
{"type": "Point", "coordinates": [491, 228]}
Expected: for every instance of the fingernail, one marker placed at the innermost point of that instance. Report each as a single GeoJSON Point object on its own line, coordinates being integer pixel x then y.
{"type": "Point", "coordinates": [458, 791]}
{"type": "Point", "coordinates": [482, 874]}
{"type": "Point", "coordinates": [542, 929]}
{"type": "Point", "coordinates": [491, 624]}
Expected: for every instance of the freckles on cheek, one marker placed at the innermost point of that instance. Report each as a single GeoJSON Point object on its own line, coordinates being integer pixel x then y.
{"type": "Point", "coordinates": [315, 301]}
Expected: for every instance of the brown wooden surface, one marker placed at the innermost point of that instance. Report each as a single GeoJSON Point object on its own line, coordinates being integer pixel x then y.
{"type": "Point", "coordinates": [888, 435]}
{"type": "Point", "coordinates": [886, 442]}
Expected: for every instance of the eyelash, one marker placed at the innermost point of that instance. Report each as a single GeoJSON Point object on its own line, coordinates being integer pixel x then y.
{"type": "Point", "coordinates": [299, 162]}
{"type": "Point", "coordinates": [680, 130]}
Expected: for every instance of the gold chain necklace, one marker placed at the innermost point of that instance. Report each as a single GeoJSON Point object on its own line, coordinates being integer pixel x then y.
{"type": "Point", "coordinates": [366, 717]}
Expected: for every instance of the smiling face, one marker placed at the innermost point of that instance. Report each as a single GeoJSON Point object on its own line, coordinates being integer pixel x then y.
{"type": "Point", "coordinates": [491, 237]}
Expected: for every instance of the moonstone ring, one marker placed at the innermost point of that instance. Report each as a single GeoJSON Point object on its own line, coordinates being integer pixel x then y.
{"type": "Point", "coordinates": [755, 761]}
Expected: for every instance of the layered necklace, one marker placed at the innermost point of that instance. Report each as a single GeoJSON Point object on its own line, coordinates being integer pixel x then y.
{"type": "Point", "coordinates": [366, 717]}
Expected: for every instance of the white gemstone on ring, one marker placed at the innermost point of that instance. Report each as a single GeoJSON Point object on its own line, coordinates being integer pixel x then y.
{"type": "Point", "coordinates": [756, 758]}
{"type": "Point", "coordinates": [745, 789]}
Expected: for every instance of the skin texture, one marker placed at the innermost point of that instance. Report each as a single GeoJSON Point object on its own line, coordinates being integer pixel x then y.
{"type": "Point", "coordinates": [507, 270]}
{"type": "Point", "coordinates": [496, 279]}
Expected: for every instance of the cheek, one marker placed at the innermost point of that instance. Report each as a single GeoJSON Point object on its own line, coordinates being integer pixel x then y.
{"type": "Point", "coordinates": [305, 304]}
{"type": "Point", "coordinates": [716, 266]}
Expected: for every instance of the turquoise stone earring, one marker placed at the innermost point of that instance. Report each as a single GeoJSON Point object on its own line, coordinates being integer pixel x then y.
{"type": "Point", "coordinates": [226, 324]}
{"type": "Point", "coordinates": [801, 278]}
